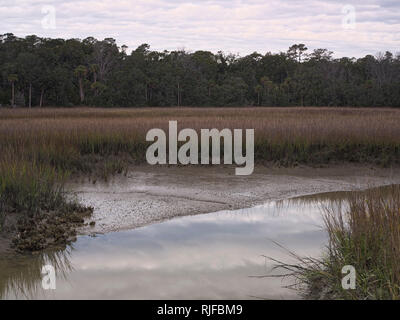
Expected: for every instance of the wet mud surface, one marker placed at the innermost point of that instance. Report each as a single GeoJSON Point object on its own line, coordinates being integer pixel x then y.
{"type": "Point", "coordinates": [152, 194]}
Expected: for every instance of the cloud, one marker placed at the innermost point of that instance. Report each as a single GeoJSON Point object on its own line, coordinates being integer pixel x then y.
{"type": "Point", "coordinates": [237, 26]}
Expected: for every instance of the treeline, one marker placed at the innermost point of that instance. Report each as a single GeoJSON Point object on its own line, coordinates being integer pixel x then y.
{"type": "Point", "coordinates": [38, 71]}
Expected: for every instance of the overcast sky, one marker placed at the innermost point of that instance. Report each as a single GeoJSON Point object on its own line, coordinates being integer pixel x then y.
{"type": "Point", "coordinates": [349, 28]}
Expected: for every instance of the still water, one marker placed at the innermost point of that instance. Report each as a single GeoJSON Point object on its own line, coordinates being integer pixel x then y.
{"type": "Point", "coordinates": [211, 256]}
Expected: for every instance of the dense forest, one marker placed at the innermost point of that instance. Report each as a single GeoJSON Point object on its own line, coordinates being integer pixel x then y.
{"type": "Point", "coordinates": [38, 71]}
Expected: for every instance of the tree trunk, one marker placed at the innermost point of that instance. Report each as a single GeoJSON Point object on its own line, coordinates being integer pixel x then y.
{"type": "Point", "coordinates": [179, 102]}
{"type": "Point", "coordinates": [81, 90]}
{"type": "Point", "coordinates": [41, 98]}
{"type": "Point", "coordinates": [30, 95]}
{"type": "Point", "coordinates": [12, 95]}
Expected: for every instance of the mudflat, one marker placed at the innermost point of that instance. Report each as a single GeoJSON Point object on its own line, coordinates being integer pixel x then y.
{"type": "Point", "coordinates": [149, 194]}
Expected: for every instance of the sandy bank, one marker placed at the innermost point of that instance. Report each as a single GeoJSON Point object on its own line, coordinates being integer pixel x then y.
{"type": "Point", "coordinates": [150, 194]}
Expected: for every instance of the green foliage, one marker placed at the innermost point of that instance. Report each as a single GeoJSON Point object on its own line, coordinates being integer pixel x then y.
{"type": "Point", "coordinates": [57, 72]}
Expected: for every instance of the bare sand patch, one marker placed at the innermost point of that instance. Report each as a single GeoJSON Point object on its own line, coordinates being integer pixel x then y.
{"type": "Point", "coordinates": [151, 194]}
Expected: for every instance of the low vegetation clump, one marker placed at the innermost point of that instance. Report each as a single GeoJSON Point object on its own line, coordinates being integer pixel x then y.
{"type": "Point", "coordinates": [364, 232]}
{"type": "Point", "coordinates": [34, 212]}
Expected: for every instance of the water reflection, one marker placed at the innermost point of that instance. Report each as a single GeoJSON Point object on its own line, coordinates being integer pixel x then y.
{"type": "Point", "coordinates": [20, 275]}
{"type": "Point", "coordinates": [209, 256]}
{"type": "Point", "coordinates": [331, 198]}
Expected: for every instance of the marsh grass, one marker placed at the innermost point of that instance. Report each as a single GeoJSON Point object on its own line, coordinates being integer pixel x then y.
{"type": "Point", "coordinates": [364, 232]}
{"type": "Point", "coordinates": [40, 146]}
{"type": "Point", "coordinates": [75, 139]}
{"type": "Point", "coordinates": [26, 186]}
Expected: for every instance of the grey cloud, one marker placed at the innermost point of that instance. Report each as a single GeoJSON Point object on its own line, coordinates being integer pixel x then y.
{"type": "Point", "coordinates": [239, 26]}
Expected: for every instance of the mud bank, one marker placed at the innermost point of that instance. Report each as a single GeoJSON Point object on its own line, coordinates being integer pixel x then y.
{"type": "Point", "coordinates": [33, 232]}
{"type": "Point", "coordinates": [152, 194]}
